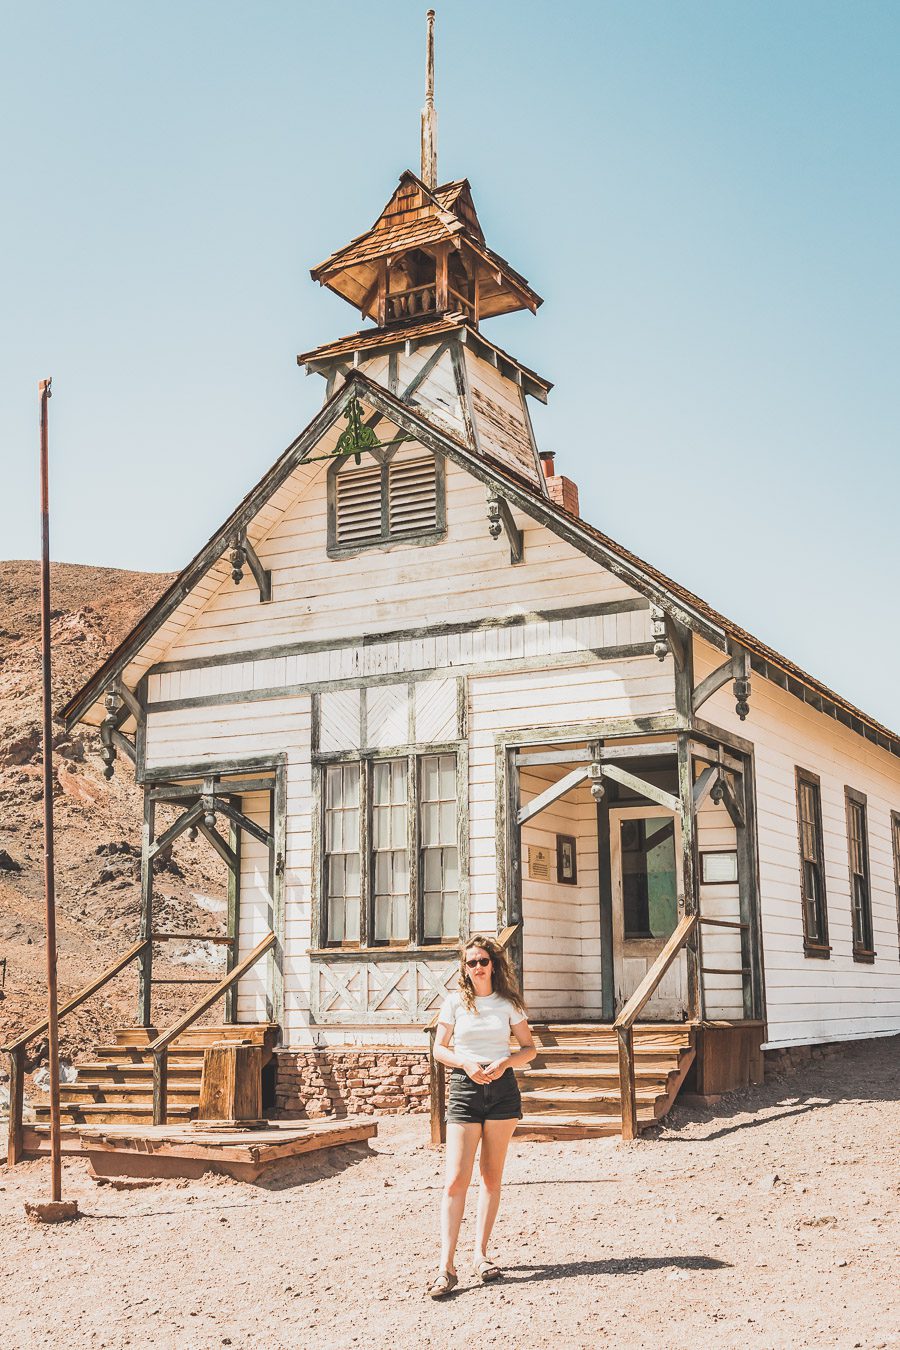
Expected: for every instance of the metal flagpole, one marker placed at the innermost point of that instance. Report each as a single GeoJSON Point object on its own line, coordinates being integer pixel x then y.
{"type": "Point", "coordinates": [49, 885]}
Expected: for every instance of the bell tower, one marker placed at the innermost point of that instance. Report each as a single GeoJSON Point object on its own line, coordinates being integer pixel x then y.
{"type": "Point", "coordinates": [425, 277]}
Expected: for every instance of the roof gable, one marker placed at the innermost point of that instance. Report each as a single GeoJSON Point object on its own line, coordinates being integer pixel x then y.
{"type": "Point", "coordinates": [322, 434]}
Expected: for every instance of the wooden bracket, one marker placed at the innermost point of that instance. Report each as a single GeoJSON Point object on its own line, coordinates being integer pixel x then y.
{"type": "Point", "coordinates": [120, 704]}
{"type": "Point", "coordinates": [640, 785]}
{"type": "Point", "coordinates": [242, 551]}
{"type": "Point", "coordinates": [500, 521]}
{"type": "Point", "coordinates": [551, 794]}
{"type": "Point", "coordinates": [737, 667]}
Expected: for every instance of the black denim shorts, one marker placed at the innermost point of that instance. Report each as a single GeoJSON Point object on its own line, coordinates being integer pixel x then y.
{"type": "Point", "coordinates": [474, 1103]}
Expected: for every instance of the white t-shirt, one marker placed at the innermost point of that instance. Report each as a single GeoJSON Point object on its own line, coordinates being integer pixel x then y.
{"type": "Point", "coordinates": [481, 1035]}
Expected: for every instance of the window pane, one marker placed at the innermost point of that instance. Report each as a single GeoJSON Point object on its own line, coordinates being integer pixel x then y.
{"type": "Point", "coordinates": [451, 869]}
{"type": "Point", "coordinates": [351, 875]}
{"type": "Point", "coordinates": [433, 915]}
{"type": "Point", "coordinates": [430, 825]}
{"type": "Point", "coordinates": [431, 778]}
{"type": "Point", "coordinates": [451, 914]}
{"type": "Point", "coordinates": [448, 776]}
{"type": "Point", "coordinates": [401, 918]}
{"type": "Point", "coordinates": [335, 920]}
{"type": "Point", "coordinates": [351, 920]}
{"type": "Point", "coordinates": [448, 822]}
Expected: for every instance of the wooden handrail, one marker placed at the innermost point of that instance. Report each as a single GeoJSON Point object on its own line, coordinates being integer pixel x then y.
{"type": "Point", "coordinates": [647, 987]}
{"type": "Point", "coordinates": [159, 1048]}
{"type": "Point", "coordinates": [437, 1072]}
{"type": "Point", "coordinates": [89, 989]}
{"type": "Point", "coordinates": [624, 1023]}
{"type": "Point", "coordinates": [16, 1049]}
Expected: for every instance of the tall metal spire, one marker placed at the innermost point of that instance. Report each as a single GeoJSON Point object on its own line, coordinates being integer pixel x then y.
{"type": "Point", "coordinates": [429, 115]}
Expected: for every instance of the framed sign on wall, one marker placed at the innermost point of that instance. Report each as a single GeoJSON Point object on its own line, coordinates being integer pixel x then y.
{"type": "Point", "coordinates": [566, 860]}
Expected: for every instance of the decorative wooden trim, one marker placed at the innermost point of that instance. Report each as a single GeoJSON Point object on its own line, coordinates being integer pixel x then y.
{"type": "Point", "coordinates": [500, 521]}
{"type": "Point", "coordinates": [221, 768]}
{"type": "Point", "coordinates": [449, 628]}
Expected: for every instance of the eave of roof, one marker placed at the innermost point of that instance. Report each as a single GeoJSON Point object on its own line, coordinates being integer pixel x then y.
{"type": "Point", "coordinates": [372, 340]}
{"type": "Point", "coordinates": [690, 608]}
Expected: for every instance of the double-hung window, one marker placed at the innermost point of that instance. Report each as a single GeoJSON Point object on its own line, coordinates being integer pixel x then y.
{"type": "Point", "coordinates": [812, 865]}
{"type": "Point", "coordinates": [390, 861]}
{"type": "Point", "coordinates": [860, 886]}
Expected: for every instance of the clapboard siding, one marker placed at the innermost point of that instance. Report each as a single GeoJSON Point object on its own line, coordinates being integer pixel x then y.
{"type": "Point", "coordinates": [499, 704]}
{"type": "Point", "coordinates": [810, 999]}
{"type": "Point", "coordinates": [561, 923]}
{"type": "Point", "coordinates": [467, 575]}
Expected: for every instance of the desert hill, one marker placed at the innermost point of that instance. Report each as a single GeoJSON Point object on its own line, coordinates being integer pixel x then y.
{"type": "Point", "coordinates": [98, 823]}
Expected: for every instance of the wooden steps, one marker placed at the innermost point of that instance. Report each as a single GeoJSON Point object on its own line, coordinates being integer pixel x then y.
{"type": "Point", "coordinates": [571, 1090]}
{"type": "Point", "coordinates": [116, 1084]}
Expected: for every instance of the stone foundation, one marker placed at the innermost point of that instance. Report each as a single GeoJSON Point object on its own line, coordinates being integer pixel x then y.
{"type": "Point", "coordinates": [790, 1057]}
{"type": "Point", "coordinates": [350, 1081]}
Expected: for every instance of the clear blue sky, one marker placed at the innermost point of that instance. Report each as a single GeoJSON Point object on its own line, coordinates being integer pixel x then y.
{"type": "Point", "coordinates": [706, 195]}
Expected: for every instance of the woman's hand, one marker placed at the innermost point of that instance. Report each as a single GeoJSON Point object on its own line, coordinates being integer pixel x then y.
{"type": "Point", "coordinates": [497, 1069]}
{"type": "Point", "coordinates": [474, 1071]}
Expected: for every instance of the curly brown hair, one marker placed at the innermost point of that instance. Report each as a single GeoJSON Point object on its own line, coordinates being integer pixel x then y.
{"type": "Point", "coordinates": [503, 982]}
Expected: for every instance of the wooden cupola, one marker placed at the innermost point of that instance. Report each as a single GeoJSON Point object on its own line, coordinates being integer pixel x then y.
{"type": "Point", "coordinates": [425, 256]}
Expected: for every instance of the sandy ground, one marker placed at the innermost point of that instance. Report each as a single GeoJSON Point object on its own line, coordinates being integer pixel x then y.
{"type": "Point", "coordinates": [770, 1220]}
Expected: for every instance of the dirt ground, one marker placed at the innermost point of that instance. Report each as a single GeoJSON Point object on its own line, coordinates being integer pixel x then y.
{"type": "Point", "coordinates": [768, 1221]}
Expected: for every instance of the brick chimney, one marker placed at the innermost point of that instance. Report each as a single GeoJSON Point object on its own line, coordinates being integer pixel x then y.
{"type": "Point", "coordinates": [563, 492]}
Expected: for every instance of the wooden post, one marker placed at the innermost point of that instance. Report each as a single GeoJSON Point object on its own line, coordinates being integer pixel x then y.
{"type": "Point", "coordinates": [625, 1038]}
{"type": "Point", "coordinates": [437, 1079]}
{"type": "Point", "coordinates": [16, 1100]}
{"type": "Point", "coordinates": [442, 293]}
{"type": "Point", "coordinates": [145, 977]}
{"type": "Point", "coordinates": [233, 929]}
{"type": "Point", "coordinates": [689, 873]}
{"type": "Point", "coordinates": [160, 1085]}
{"type": "Point", "coordinates": [748, 892]}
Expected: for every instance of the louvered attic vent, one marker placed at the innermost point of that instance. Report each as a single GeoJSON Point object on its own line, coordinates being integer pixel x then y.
{"type": "Point", "coordinates": [374, 503]}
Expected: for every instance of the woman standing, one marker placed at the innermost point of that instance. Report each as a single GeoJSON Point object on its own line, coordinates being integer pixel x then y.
{"type": "Point", "coordinates": [484, 1105]}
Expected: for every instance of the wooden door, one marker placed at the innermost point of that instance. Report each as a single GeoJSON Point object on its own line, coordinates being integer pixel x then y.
{"type": "Point", "coordinates": [645, 857]}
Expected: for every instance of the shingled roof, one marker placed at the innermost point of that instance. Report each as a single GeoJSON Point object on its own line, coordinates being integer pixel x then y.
{"type": "Point", "coordinates": [419, 217]}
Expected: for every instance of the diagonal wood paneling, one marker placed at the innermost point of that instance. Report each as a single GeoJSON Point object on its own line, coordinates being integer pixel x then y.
{"type": "Point", "coordinates": [339, 719]}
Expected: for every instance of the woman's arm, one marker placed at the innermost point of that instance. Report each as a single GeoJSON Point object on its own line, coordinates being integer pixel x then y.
{"type": "Point", "coordinates": [519, 1058]}
{"type": "Point", "coordinates": [444, 1055]}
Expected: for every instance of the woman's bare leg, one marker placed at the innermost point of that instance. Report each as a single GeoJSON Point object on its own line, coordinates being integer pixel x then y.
{"type": "Point", "coordinates": [494, 1143]}
{"type": "Point", "coordinates": [462, 1142]}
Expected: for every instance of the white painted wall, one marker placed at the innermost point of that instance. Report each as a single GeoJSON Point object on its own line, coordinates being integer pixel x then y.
{"type": "Point", "coordinates": [561, 923]}
{"type": "Point", "coordinates": [808, 999]}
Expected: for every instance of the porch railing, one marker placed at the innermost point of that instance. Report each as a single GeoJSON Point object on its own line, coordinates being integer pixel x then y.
{"type": "Point", "coordinates": [16, 1050]}
{"type": "Point", "coordinates": [437, 1072]}
{"type": "Point", "coordinates": [159, 1048]}
{"type": "Point", "coordinates": [624, 1023]}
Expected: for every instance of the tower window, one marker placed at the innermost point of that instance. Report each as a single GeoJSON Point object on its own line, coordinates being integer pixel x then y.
{"type": "Point", "coordinates": [390, 497]}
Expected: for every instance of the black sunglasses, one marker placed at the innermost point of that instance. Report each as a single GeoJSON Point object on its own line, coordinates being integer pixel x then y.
{"type": "Point", "coordinates": [478, 961]}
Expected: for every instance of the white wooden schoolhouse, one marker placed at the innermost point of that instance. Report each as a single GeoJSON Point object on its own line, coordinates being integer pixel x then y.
{"type": "Point", "coordinates": [408, 693]}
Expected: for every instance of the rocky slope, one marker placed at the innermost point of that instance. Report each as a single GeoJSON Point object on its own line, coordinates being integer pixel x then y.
{"type": "Point", "coordinates": [98, 824]}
